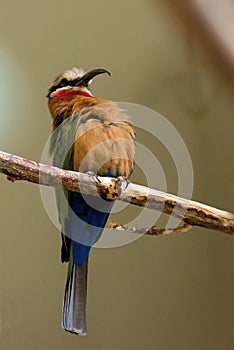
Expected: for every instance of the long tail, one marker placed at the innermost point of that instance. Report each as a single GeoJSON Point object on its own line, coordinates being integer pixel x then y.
{"type": "Point", "coordinates": [83, 227]}
{"type": "Point", "coordinates": [74, 303]}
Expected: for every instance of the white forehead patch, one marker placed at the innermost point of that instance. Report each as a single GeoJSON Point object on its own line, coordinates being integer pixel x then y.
{"type": "Point", "coordinates": [69, 74]}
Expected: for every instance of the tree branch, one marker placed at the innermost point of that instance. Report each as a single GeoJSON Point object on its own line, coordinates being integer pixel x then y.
{"type": "Point", "coordinates": [152, 231]}
{"type": "Point", "coordinates": [190, 212]}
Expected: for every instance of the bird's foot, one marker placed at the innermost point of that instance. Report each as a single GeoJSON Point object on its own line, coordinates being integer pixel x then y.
{"type": "Point", "coordinates": [93, 175]}
{"type": "Point", "coordinates": [123, 182]}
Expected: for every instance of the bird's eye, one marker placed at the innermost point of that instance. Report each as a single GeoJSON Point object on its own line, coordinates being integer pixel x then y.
{"type": "Point", "coordinates": [64, 82]}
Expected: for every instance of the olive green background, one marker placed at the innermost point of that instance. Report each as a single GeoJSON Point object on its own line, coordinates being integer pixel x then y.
{"type": "Point", "coordinates": [172, 292]}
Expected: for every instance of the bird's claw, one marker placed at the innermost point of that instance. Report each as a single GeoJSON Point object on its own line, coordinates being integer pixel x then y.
{"type": "Point", "coordinates": [124, 182]}
{"type": "Point", "coordinates": [94, 176]}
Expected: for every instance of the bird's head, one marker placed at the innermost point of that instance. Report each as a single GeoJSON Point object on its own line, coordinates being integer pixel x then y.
{"type": "Point", "coordinates": [74, 79]}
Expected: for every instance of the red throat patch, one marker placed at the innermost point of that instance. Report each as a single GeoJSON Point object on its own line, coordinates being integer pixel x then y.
{"type": "Point", "coordinates": [70, 93]}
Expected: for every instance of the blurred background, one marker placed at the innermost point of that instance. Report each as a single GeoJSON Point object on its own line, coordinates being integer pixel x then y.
{"type": "Point", "coordinates": [172, 292]}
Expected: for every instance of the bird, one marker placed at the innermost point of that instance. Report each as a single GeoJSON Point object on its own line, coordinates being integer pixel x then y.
{"type": "Point", "coordinates": [95, 136]}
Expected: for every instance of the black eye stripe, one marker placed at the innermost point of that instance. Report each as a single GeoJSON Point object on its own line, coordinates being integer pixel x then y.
{"type": "Point", "coordinates": [63, 83]}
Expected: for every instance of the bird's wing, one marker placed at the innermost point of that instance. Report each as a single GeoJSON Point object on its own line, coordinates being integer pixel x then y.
{"type": "Point", "coordinates": [62, 151]}
{"type": "Point", "coordinates": [104, 141]}
{"type": "Point", "coordinates": [98, 139]}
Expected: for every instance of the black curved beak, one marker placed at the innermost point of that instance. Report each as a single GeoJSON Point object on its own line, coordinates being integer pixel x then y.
{"type": "Point", "coordinates": [86, 79]}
